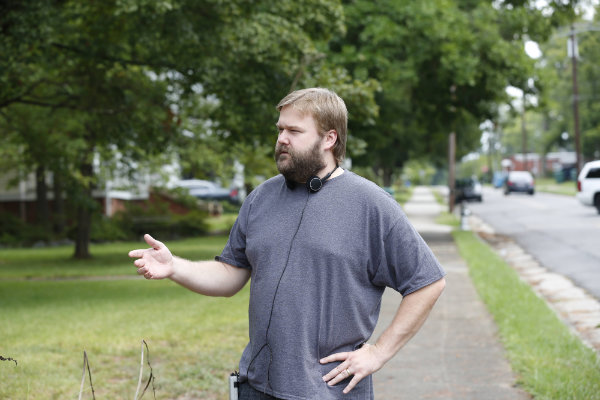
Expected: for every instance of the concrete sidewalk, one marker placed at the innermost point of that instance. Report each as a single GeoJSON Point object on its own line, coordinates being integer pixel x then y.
{"type": "Point", "coordinates": [457, 353]}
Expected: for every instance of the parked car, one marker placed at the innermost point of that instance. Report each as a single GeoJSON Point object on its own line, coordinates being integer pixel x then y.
{"type": "Point", "coordinates": [208, 190]}
{"type": "Point", "coordinates": [468, 189]}
{"type": "Point", "coordinates": [588, 185]}
{"type": "Point", "coordinates": [519, 181]}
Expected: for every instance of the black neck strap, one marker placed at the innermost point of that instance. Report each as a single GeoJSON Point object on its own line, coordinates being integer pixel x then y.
{"type": "Point", "coordinates": [331, 173]}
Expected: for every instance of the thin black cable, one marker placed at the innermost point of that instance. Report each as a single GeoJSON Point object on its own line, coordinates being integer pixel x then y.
{"type": "Point", "coordinates": [273, 302]}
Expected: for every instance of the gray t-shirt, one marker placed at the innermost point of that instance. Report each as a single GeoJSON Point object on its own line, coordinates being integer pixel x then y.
{"type": "Point", "coordinates": [319, 265]}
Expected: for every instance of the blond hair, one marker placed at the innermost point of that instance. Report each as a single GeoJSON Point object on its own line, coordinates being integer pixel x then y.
{"type": "Point", "coordinates": [328, 110]}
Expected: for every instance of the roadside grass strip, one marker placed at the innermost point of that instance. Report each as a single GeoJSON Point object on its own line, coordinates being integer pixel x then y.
{"type": "Point", "coordinates": [445, 218]}
{"type": "Point", "coordinates": [194, 341]}
{"type": "Point", "coordinates": [548, 185]}
{"type": "Point", "coordinates": [549, 360]}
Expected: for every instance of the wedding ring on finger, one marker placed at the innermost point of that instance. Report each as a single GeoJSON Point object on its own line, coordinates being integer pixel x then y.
{"type": "Point", "coordinates": [348, 371]}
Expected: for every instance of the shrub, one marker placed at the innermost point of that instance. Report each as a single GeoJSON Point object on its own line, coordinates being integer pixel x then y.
{"type": "Point", "coordinates": [156, 219]}
{"type": "Point", "coordinates": [106, 229]}
{"type": "Point", "coordinates": [15, 232]}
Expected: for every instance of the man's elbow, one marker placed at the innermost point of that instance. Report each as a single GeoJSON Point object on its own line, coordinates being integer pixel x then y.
{"type": "Point", "coordinates": [439, 286]}
{"type": "Point", "coordinates": [434, 290]}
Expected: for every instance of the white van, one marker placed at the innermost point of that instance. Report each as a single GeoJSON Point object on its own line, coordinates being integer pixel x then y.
{"type": "Point", "coordinates": [588, 185]}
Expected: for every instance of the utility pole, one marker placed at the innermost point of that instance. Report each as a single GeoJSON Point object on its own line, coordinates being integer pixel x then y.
{"type": "Point", "coordinates": [452, 153]}
{"type": "Point", "coordinates": [574, 55]}
{"type": "Point", "coordinates": [573, 52]}
{"type": "Point", "coordinates": [524, 136]}
{"type": "Point", "coordinates": [451, 171]}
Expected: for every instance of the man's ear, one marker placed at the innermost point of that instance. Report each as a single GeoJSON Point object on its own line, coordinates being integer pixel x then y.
{"type": "Point", "coordinates": [330, 139]}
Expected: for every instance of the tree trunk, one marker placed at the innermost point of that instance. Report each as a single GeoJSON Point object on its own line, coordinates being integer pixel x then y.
{"type": "Point", "coordinates": [387, 176]}
{"type": "Point", "coordinates": [82, 240]}
{"type": "Point", "coordinates": [41, 197]}
{"type": "Point", "coordinates": [84, 212]}
{"type": "Point", "coordinates": [59, 204]}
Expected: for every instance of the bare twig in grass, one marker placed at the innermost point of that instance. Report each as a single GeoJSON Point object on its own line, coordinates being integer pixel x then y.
{"type": "Point", "coordinates": [86, 363]}
{"type": "Point", "coordinates": [150, 378]}
{"type": "Point", "coordinates": [9, 359]}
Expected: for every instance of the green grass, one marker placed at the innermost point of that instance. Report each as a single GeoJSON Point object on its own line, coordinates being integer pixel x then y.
{"type": "Point", "coordinates": [194, 341]}
{"type": "Point", "coordinates": [107, 258]}
{"type": "Point", "coordinates": [439, 197]}
{"type": "Point", "coordinates": [445, 218]}
{"type": "Point", "coordinates": [222, 223]}
{"type": "Point", "coordinates": [550, 185]}
{"type": "Point", "coordinates": [551, 363]}
{"type": "Point", "coordinates": [402, 194]}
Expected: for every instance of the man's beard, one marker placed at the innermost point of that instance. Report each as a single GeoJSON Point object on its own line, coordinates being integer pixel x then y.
{"type": "Point", "coordinates": [298, 167]}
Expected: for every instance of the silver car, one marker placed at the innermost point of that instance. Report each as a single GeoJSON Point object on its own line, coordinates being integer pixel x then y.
{"type": "Point", "coordinates": [519, 181]}
{"type": "Point", "coordinates": [208, 190]}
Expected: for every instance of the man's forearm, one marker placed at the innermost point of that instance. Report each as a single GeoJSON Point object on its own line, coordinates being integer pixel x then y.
{"type": "Point", "coordinates": [210, 278]}
{"type": "Point", "coordinates": [412, 313]}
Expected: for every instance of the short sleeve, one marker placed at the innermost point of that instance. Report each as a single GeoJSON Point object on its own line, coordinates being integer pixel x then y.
{"type": "Point", "coordinates": [406, 264]}
{"type": "Point", "coordinates": [234, 252]}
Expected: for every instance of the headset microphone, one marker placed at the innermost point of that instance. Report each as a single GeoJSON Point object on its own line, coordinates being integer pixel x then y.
{"type": "Point", "coordinates": [313, 184]}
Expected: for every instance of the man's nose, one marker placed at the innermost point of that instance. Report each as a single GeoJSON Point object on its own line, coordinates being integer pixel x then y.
{"type": "Point", "coordinates": [283, 137]}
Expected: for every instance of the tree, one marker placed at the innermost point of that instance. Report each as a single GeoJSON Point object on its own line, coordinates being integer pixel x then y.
{"type": "Point", "coordinates": [443, 66]}
{"type": "Point", "coordinates": [553, 116]}
{"type": "Point", "coordinates": [118, 72]}
{"type": "Point", "coordinates": [589, 48]}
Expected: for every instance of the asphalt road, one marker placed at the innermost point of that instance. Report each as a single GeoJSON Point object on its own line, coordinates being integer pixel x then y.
{"type": "Point", "coordinates": [562, 234]}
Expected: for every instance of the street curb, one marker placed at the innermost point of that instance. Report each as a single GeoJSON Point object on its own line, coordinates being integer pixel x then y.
{"type": "Point", "coordinates": [579, 310]}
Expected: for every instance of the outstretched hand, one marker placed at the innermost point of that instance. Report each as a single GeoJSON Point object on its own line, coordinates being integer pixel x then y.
{"type": "Point", "coordinates": [155, 262]}
{"type": "Point", "coordinates": [359, 364]}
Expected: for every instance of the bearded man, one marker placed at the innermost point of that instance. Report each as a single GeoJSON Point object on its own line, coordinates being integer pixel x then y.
{"type": "Point", "coordinates": [320, 244]}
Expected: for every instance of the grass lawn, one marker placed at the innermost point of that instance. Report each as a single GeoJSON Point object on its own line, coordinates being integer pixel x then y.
{"type": "Point", "coordinates": [551, 363]}
{"type": "Point", "coordinates": [222, 223]}
{"type": "Point", "coordinates": [550, 185]}
{"type": "Point", "coordinates": [108, 258]}
{"type": "Point", "coordinates": [194, 341]}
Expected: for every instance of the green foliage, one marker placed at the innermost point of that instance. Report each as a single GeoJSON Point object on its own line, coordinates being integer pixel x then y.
{"type": "Point", "coordinates": [589, 92]}
{"type": "Point", "coordinates": [137, 81]}
{"type": "Point", "coordinates": [433, 80]}
{"type": "Point", "coordinates": [14, 232]}
{"type": "Point", "coordinates": [418, 172]}
{"type": "Point", "coordinates": [474, 166]}
{"type": "Point", "coordinates": [402, 194]}
{"type": "Point", "coordinates": [105, 229]}
{"type": "Point", "coordinates": [156, 219]}
{"type": "Point", "coordinates": [553, 115]}
{"type": "Point", "coordinates": [116, 79]}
